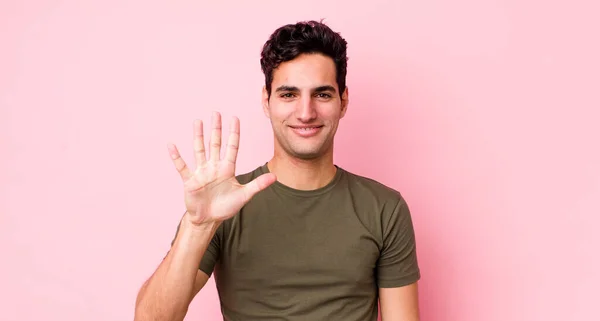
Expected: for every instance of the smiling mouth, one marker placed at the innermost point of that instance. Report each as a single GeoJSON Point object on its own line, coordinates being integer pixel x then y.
{"type": "Point", "coordinates": [306, 131]}
{"type": "Point", "coordinates": [306, 128]}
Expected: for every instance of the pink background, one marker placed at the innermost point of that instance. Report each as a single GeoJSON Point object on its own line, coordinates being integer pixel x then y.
{"type": "Point", "coordinates": [482, 113]}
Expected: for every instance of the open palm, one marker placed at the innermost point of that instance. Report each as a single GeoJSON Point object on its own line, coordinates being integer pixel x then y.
{"type": "Point", "coordinates": [211, 191]}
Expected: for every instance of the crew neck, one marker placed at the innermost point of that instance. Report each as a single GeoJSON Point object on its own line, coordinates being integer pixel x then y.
{"type": "Point", "coordinates": [305, 193]}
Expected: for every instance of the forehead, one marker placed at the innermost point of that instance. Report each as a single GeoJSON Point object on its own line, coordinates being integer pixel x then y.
{"type": "Point", "coordinates": [306, 71]}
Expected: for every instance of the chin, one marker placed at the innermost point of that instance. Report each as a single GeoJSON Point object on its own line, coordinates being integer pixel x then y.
{"type": "Point", "coordinates": [306, 154]}
{"type": "Point", "coordinates": [303, 150]}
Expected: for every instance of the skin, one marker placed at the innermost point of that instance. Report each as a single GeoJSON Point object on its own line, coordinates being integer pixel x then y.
{"type": "Point", "coordinates": [304, 94]}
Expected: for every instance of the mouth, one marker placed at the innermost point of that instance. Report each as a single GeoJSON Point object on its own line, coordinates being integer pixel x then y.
{"type": "Point", "coordinates": [306, 131]}
{"type": "Point", "coordinates": [306, 127]}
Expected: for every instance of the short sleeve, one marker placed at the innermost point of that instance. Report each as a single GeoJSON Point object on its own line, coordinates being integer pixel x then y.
{"type": "Point", "coordinates": [397, 265]}
{"type": "Point", "coordinates": [211, 256]}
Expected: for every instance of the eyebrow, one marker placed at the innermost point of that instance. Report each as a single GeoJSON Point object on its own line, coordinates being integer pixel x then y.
{"type": "Point", "coordinates": [287, 88]}
{"type": "Point", "coordinates": [325, 88]}
{"type": "Point", "coordinates": [296, 89]}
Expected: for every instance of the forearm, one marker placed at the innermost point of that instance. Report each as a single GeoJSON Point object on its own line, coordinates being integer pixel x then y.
{"type": "Point", "coordinates": [167, 294]}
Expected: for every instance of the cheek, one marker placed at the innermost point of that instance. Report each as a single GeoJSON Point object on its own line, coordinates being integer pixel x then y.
{"type": "Point", "coordinates": [331, 113]}
{"type": "Point", "coordinates": [281, 112]}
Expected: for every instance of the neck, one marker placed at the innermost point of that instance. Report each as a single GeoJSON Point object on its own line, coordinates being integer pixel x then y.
{"type": "Point", "coordinates": [303, 174]}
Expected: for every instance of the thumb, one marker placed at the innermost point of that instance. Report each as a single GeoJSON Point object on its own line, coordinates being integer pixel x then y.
{"type": "Point", "coordinates": [258, 184]}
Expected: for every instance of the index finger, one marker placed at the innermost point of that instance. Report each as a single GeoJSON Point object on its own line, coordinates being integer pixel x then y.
{"type": "Point", "coordinates": [233, 143]}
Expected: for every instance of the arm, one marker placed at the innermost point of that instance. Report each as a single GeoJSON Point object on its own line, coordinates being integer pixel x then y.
{"type": "Point", "coordinates": [399, 304]}
{"type": "Point", "coordinates": [167, 294]}
{"type": "Point", "coordinates": [398, 268]}
{"type": "Point", "coordinates": [212, 195]}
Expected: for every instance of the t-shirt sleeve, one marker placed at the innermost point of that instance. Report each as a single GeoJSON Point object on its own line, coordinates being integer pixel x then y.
{"type": "Point", "coordinates": [397, 265]}
{"type": "Point", "coordinates": [211, 256]}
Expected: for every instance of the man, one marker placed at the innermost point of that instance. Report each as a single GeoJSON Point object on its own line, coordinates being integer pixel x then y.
{"type": "Point", "coordinates": [298, 238]}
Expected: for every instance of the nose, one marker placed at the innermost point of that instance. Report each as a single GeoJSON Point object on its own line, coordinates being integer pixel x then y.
{"type": "Point", "coordinates": [306, 111]}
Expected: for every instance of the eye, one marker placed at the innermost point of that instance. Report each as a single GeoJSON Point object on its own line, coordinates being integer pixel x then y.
{"type": "Point", "coordinates": [324, 95]}
{"type": "Point", "coordinates": [287, 95]}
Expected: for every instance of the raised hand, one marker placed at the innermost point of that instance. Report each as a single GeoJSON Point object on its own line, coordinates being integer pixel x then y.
{"type": "Point", "coordinates": [211, 191]}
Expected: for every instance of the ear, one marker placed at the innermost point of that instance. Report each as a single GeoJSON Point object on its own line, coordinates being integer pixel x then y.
{"type": "Point", "coordinates": [265, 102]}
{"type": "Point", "coordinates": [344, 102]}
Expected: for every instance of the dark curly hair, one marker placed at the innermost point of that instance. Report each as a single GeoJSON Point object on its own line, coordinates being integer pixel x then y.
{"type": "Point", "coordinates": [292, 40]}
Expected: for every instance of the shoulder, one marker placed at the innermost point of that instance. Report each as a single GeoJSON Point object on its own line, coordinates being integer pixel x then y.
{"type": "Point", "coordinates": [371, 190]}
{"type": "Point", "coordinates": [382, 209]}
{"type": "Point", "coordinates": [247, 177]}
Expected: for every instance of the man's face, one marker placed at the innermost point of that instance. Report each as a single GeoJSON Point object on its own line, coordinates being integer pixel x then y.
{"type": "Point", "coordinates": [305, 106]}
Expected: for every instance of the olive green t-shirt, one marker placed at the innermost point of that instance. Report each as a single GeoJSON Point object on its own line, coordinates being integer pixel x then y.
{"type": "Point", "coordinates": [313, 255]}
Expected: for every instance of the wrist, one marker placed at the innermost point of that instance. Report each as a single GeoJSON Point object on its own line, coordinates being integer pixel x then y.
{"type": "Point", "coordinates": [206, 227]}
{"type": "Point", "coordinates": [192, 236]}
